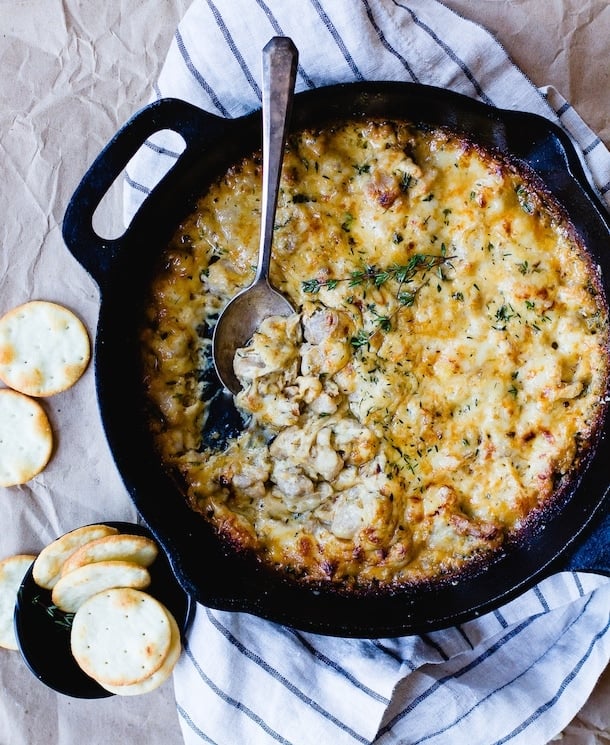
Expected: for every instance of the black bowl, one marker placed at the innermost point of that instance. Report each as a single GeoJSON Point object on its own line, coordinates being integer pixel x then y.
{"type": "Point", "coordinates": [43, 631]}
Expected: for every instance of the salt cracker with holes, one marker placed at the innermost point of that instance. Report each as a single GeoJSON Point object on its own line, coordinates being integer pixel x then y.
{"type": "Point", "coordinates": [44, 348]}
{"type": "Point", "coordinates": [121, 547]}
{"type": "Point", "coordinates": [26, 438]}
{"type": "Point", "coordinates": [121, 636]}
{"type": "Point", "coordinates": [48, 565]}
{"type": "Point", "coordinates": [12, 572]}
{"type": "Point", "coordinates": [71, 590]}
{"type": "Point", "coordinates": [159, 676]}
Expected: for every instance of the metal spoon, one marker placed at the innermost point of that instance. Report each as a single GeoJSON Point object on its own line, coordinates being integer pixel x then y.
{"type": "Point", "coordinates": [245, 312]}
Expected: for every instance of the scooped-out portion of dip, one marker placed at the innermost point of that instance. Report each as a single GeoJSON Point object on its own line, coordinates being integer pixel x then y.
{"type": "Point", "coordinates": [439, 387]}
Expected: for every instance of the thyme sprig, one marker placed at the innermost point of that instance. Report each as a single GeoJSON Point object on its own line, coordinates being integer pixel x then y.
{"type": "Point", "coordinates": [376, 276]}
{"type": "Point", "coordinates": [418, 265]}
{"type": "Point", "coordinates": [60, 617]}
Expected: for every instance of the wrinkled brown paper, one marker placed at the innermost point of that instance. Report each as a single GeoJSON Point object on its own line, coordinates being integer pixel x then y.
{"type": "Point", "coordinates": [70, 74]}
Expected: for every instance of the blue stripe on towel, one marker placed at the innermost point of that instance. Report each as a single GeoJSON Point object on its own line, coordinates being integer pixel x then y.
{"type": "Point", "coordinates": [233, 702]}
{"type": "Point", "coordinates": [448, 51]}
{"type": "Point", "coordinates": [338, 39]}
{"type": "Point", "coordinates": [234, 49]}
{"type": "Point", "coordinates": [197, 75]}
{"type": "Point", "coordinates": [386, 44]}
{"type": "Point", "coordinates": [276, 675]}
{"type": "Point", "coordinates": [279, 31]}
{"type": "Point", "coordinates": [339, 669]}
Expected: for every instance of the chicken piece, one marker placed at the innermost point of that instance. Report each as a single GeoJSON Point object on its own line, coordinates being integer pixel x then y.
{"type": "Point", "coordinates": [295, 490]}
{"type": "Point", "coordinates": [324, 460]}
{"type": "Point", "coordinates": [355, 510]}
{"type": "Point", "coordinates": [265, 400]}
{"type": "Point", "coordinates": [293, 444]}
{"type": "Point", "coordinates": [357, 443]}
{"type": "Point", "coordinates": [327, 341]}
{"type": "Point", "coordinates": [310, 449]}
{"type": "Point", "coordinates": [384, 188]}
{"type": "Point", "coordinates": [291, 481]}
{"type": "Point", "coordinates": [324, 404]}
{"type": "Point", "coordinates": [306, 388]}
{"type": "Point", "coordinates": [273, 349]}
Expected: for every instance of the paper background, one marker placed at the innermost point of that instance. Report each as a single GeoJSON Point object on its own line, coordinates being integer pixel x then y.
{"type": "Point", "coordinates": [71, 72]}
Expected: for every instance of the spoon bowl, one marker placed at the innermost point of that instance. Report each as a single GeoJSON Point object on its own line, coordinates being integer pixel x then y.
{"type": "Point", "coordinates": [245, 312]}
{"type": "Point", "coordinates": [238, 322]}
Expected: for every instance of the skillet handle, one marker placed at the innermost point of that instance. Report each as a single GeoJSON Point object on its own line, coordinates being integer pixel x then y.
{"type": "Point", "coordinates": [95, 253]}
{"type": "Point", "coordinates": [593, 553]}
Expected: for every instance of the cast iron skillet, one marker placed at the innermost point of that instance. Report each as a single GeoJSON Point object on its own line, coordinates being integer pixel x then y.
{"type": "Point", "coordinates": [121, 268]}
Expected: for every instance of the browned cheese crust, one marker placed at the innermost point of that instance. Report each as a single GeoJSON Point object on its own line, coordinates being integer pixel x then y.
{"type": "Point", "coordinates": [440, 383]}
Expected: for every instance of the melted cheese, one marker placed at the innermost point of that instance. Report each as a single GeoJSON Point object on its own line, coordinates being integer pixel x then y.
{"type": "Point", "coordinates": [444, 374]}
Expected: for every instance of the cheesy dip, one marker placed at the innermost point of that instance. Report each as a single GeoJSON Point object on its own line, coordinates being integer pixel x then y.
{"type": "Point", "coordinates": [439, 385]}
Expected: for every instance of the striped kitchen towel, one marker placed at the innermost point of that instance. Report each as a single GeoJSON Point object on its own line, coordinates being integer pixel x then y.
{"type": "Point", "coordinates": [516, 675]}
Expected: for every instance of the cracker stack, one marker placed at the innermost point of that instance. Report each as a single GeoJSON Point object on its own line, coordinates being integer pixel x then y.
{"type": "Point", "coordinates": [44, 349]}
{"type": "Point", "coordinates": [121, 636]}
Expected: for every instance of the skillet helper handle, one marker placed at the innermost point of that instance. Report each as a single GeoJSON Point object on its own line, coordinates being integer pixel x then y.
{"type": "Point", "coordinates": [95, 253]}
{"type": "Point", "coordinates": [593, 552]}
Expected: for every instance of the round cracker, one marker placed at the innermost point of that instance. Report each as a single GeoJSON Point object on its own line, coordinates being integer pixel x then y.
{"type": "Point", "coordinates": [161, 675]}
{"type": "Point", "coordinates": [50, 560]}
{"type": "Point", "coordinates": [12, 572]}
{"type": "Point", "coordinates": [121, 547]}
{"type": "Point", "coordinates": [121, 636]}
{"type": "Point", "coordinates": [71, 590]}
{"type": "Point", "coordinates": [26, 438]}
{"type": "Point", "coordinates": [44, 348]}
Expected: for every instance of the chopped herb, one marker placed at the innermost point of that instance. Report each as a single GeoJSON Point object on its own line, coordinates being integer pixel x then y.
{"type": "Point", "coordinates": [361, 339]}
{"type": "Point", "coordinates": [312, 285]}
{"type": "Point", "coordinates": [524, 198]}
{"type": "Point", "coordinates": [346, 225]}
{"type": "Point", "coordinates": [406, 299]}
{"type": "Point", "coordinates": [384, 322]}
{"type": "Point", "coordinates": [504, 315]}
{"type": "Point", "coordinates": [406, 181]}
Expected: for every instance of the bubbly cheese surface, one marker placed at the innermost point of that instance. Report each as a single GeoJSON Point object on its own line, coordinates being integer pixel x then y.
{"type": "Point", "coordinates": [444, 374]}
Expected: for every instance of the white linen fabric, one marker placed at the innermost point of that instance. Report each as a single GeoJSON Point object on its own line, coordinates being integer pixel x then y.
{"type": "Point", "coordinates": [516, 675]}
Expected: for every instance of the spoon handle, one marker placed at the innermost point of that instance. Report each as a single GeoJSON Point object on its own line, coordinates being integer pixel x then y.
{"type": "Point", "coordinates": [280, 58]}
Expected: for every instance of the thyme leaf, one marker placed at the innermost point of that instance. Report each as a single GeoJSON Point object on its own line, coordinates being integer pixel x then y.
{"type": "Point", "coordinates": [60, 617]}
